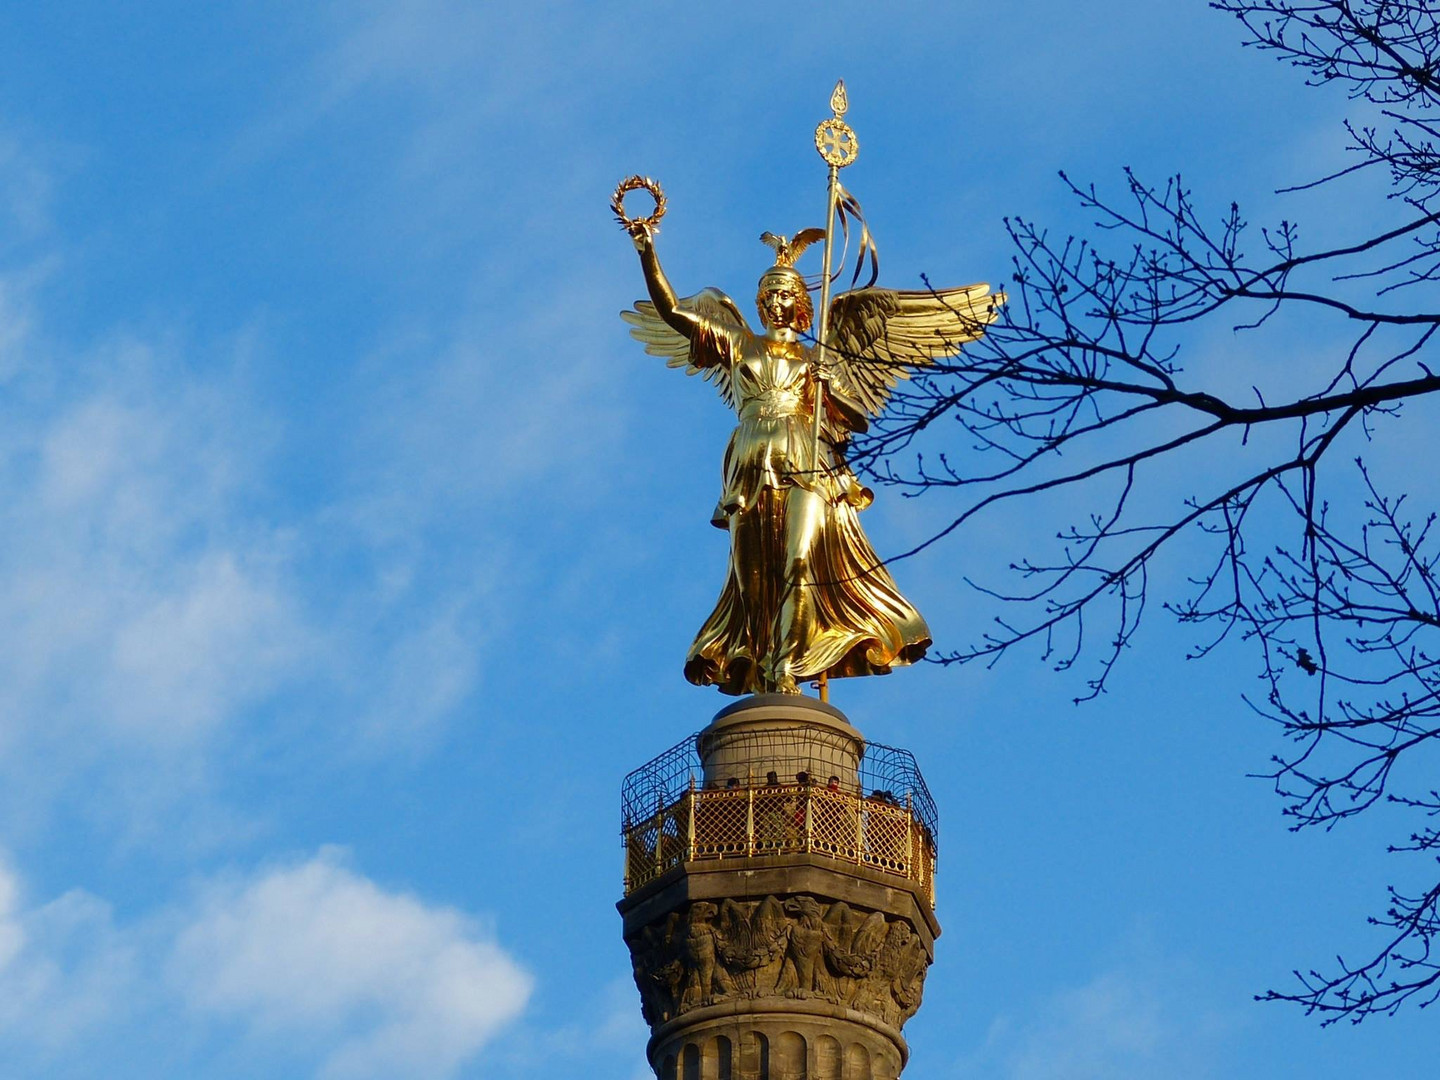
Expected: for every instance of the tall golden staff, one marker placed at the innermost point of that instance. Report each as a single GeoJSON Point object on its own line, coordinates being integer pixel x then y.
{"type": "Point", "coordinates": [836, 143]}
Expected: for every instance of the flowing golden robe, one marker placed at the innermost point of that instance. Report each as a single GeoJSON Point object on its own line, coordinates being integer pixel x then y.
{"type": "Point", "coordinates": [804, 592]}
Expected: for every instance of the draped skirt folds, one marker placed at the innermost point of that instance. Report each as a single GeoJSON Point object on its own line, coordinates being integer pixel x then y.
{"type": "Point", "coordinates": [804, 594]}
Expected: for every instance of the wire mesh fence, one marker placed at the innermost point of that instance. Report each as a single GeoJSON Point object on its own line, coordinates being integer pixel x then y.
{"type": "Point", "coordinates": [885, 773]}
{"type": "Point", "coordinates": [884, 818]}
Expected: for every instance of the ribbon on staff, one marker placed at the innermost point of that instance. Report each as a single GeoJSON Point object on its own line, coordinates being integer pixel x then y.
{"type": "Point", "coordinates": [847, 209]}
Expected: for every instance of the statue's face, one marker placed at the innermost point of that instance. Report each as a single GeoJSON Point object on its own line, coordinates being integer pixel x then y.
{"type": "Point", "coordinates": [779, 305]}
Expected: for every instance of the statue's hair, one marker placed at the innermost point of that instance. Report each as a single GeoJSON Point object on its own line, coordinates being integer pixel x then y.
{"type": "Point", "coordinates": [804, 306]}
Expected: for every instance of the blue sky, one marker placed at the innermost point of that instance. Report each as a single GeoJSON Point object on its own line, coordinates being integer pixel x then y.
{"type": "Point", "coordinates": [352, 548]}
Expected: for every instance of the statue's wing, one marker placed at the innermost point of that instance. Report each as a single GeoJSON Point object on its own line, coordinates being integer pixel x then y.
{"type": "Point", "coordinates": [876, 335]}
{"type": "Point", "coordinates": [661, 339]}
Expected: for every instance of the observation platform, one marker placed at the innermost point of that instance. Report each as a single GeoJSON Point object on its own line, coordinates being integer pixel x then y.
{"type": "Point", "coordinates": [747, 790]}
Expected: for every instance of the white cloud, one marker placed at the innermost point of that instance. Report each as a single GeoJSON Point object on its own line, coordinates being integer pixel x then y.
{"type": "Point", "coordinates": [396, 47]}
{"type": "Point", "coordinates": [425, 674]}
{"type": "Point", "coordinates": [25, 190]}
{"type": "Point", "coordinates": [404, 40]}
{"type": "Point", "coordinates": [158, 592]}
{"type": "Point", "coordinates": [148, 601]}
{"type": "Point", "coordinates": [145, 609]}
{"type": "Point", "coordinates": [64, 970]}
{"type": "Point", "coordinates": [609, 1024]}
{"type": "Point", "coordinates": [388, 986]}
{"type": "Point", "coordinates": [152, 598]}
{"type": "Point", "coordinates": [322, 968]}
{"type": "Point", "coordinates": [16, 318]}
{"type": "Point", "coordinates": [1138, 1020]}
{"type": "Point", "coordinates": [12, 937]}
{"type": "Point", "coordinates": [1111, 1027]}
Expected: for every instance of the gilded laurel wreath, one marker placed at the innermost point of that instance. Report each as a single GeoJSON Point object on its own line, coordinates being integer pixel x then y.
{"type": "Point", "coordinates": [635, 183]}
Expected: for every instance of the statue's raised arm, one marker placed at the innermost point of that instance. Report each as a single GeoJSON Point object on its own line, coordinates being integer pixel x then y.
{"type": "Point", "coordinates": [701, 333]}
{"type": "Point", "coordinates": [675, 313]}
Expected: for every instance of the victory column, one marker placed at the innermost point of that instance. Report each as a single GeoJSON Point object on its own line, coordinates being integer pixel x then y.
{"type": "Point", "coordinates": [779, 868]}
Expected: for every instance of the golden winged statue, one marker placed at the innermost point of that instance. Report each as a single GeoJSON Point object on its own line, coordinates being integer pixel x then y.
{"type": "Point", "coordinates": [805, 596]}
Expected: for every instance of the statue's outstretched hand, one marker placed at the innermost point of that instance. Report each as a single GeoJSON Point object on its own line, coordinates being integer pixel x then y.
{"type": "Point", "coordinates": [641, 236]}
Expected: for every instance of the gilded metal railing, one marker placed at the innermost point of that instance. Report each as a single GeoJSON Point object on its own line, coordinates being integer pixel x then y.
{"type": "Point", "coordinates": [748, 822]}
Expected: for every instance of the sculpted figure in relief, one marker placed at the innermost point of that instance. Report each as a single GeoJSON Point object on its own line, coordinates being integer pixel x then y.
{"type": "Point", "coordinates": [804, 972]}
{"type": "Point", "coordinates": [708, 979]}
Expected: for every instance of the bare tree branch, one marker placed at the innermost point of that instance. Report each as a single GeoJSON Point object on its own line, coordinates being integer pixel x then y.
{"type": "Point", "coordinates": [1079, 387]}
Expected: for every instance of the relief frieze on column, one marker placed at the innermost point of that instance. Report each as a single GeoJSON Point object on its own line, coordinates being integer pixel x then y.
{"type": "Point", "coordinates": [792, 948]}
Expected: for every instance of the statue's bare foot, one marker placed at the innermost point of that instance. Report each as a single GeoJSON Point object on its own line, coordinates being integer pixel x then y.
{"type": "Point", "coordinates": [786, 685]}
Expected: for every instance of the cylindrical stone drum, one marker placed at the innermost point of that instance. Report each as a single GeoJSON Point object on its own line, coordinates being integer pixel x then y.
{"type": "Point", "coordinates": [784, 734]}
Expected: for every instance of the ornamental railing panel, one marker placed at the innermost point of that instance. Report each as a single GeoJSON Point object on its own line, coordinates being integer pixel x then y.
{"type": "Point", "coordinates": [873, 830]}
